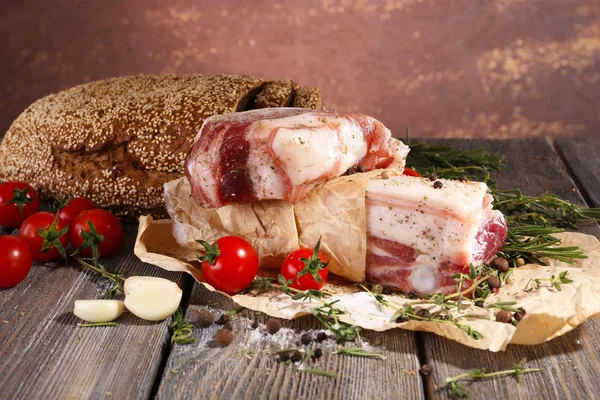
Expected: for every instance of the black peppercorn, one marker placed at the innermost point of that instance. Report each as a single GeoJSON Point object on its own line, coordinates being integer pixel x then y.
{"type": "Point", "coordinates": [438, 185]}
{"type": "Point", "coordinates": [423, 313]}
{"type": "Point", "coordinates": [283, 357]}
{"type": "Point", "coordinates": [463, 178]}
{"type": "Point", "coordinates": [425, 370]}
{"type": "Point", "coordinates": [317, 353]}
{"type": "Point", "coordinates": [297, 356]}
{"type": "Point", "coordinates": [494, 282]}
{"type": "Point", "coordinates": [520, 314]}
{"type": "Point", "coordinates": [413, 295]}
{"type": "Point", "coordinates": [254, 325]}
{"type": "Point", "coordinates": [305, 339]}
{"type": "Point", "coordinates": [432, 177]}
{"type": "Point", "coordinates": [400, 319]}
{"type": "Point", "coordinates": [388, 290]}
{"type": "Point", "coordinates": [204, 318]}
{"type": "Point", "coordinates": [479, 304]}
{"type": "Point", "coordinates": [360, 168]}
{"type": "Point", "coordinates": [500, 264]}
{"type": "Point", "coordinates": [223, 319]}
{"type": "Point", "coordinates": [321, 336]}
{"type": "Point", "coordinates": [273, 326]}
{"type": "Point", "coordinates": [504, 316]}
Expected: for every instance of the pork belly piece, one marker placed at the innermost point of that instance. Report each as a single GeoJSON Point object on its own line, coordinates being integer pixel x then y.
{"type": "Point", "coordinates": [419, 236]}
{"type": "Point", "coordinates": [282, 153]}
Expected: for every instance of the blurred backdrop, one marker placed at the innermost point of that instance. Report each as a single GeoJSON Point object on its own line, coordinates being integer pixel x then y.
{"type": "Point", "coordinates": [448, 68]}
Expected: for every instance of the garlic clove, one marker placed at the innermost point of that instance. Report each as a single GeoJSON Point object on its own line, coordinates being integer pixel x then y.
{"type": "Point", "coordinates": [136, 282]}
{"type": "Point", "coordinates": [98, 310]}
{"type": "Point", "coordinates": [153, 299]}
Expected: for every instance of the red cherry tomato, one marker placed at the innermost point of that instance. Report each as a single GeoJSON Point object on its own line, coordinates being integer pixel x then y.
{"type": "Point", "coordinates": [230, 264]}
{"type": "Point", "coordinates": [96, 228]}
{"type": "Point", "coordinates": [43, 230]}
{"type": "Point", "coordinates": [306, 268]}
{"type": "Point", "coordinates": [18, 201]}
{"type": "Point", "coordinates": [15, 261]}
{"type": "Point", "coordinates": [73, 208]}
{"type": "Point", "coordinates": [411, 172]}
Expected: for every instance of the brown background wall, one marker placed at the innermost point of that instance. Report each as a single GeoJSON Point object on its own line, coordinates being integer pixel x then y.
{"type": "Point", "coordinates": [468, 68]}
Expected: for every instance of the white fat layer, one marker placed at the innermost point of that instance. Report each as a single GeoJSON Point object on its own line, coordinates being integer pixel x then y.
{"type": "Point", "coordinates": [424, 279]}
{"type": "Point", "coordinates": [305, 147]}
{"type": "Point", "coordinates": [404, 210]}
{"type": "Point", "coordinates": [204, 167]}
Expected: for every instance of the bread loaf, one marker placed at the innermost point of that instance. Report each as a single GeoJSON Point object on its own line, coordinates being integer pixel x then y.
{"type": "Point", "coordinates": [118, 140]}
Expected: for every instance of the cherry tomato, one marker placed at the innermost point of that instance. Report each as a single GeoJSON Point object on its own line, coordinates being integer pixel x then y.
{"type": "Point", "coordinates": [15, 261]}
{"type": "Point", "coordinates": [73, 208]}
{"type": "Point", "coordinates": [230, 264]}
{"type": "Point", "coordinates": [46, 235]}
{"type": "Point", "coordinates": [18, 200]}
{"type": "Point", "coordinates": [98, 229]}
{"type": "Point", "coordinates": [306, 268]}
{"type": "Point", "coordinates": [411, 172]}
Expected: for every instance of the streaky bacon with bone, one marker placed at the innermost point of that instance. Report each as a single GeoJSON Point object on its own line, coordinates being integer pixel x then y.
{"type": "Point", "coordinates": [283, 153]}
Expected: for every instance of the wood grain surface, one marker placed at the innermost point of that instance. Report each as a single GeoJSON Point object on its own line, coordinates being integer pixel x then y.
{"type": "Point", "coordinates": [45, 355]}
{"type": "Point", "coordinates": [582, 156]}
{"type": "Point", "coordinates": [570, 363]}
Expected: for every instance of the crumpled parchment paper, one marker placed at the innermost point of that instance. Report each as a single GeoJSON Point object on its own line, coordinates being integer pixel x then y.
{"type": "Point", "coordinates": [170, 244]}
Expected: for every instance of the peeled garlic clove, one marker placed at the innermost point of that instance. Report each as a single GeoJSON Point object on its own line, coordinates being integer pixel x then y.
{"type": "Point", "coordinates": [98, 310]}
{"type": "Point", "coordinates": [152, 299]}
{"type": "Point", "coordinates": [135, 282]}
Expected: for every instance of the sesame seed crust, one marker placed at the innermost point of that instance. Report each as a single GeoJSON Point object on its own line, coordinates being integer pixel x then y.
{"type": "Point", "coordinates": [116, 141]}
{"type": "Point", "coordinates": [276, 94]}
{"type": "Point", "coordinates": [308, 98]}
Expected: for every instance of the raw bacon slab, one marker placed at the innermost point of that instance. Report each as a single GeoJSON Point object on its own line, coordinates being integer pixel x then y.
{"type": "Point", "coordinates": [419, 236]}
{"type": "Point", "coordinates": [283, 153]}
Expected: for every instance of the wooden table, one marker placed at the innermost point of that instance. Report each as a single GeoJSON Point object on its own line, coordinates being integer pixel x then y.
{"type": "Point", "coordinates": [44, 354]}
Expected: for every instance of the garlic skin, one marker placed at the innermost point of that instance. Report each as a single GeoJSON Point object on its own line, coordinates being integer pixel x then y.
{"type": "Point", "coordinates": [98, 310]}
{"type": "Point", "coordinates": [150, 298]}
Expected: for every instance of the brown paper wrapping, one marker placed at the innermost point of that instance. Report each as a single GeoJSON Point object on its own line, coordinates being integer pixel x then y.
{"type": "Point", "coordinates": [339, 218]}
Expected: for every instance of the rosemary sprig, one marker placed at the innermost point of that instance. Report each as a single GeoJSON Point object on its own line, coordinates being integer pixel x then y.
{"type": "Point", "coordinates": [182, 329]}
{"type": "Point", "coordinates": [534, 242]}
{"type": "Point", "coordinates": [358, 353]}
{"type": "Point", "coordinates": [457, 391]}
{"type": "Point", "coordinates": [450, 163]}
{"type": "Point", "coordinates": [553, 282]}
{"type": "Point", "coordinates": [89, 325]}
{"type": "Point", "coordinates": [117, 280]}
{"type": "Point", "coordinates": [546, 210]}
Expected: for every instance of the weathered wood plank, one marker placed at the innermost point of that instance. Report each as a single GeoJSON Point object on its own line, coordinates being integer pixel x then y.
{"type": "Point", "coordinates": [582, 155]}
{"type": "Point", "coordinates": [246, 370]}
{"type": "Point", "coordinates": [45, 355]}
{"type": "Point", "coordinates": [570, 363]}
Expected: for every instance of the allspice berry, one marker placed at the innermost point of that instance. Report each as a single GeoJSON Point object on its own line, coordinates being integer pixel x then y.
{"type": "Point", "coordinates": [423, 313]}
{"type": "Point", "coordinates": [203, 317]}
{"type": "Point", "coordinates": [438, 185]}
{"type": "Point", "coordinates": [273, 326]}
{"type": "Point", "coordinates": [321, 336]}
{"type": "Point", "coordinates": [500, 264]}
{"type": "Point", "coordinates": [520, 314]}
{"type": "Point", "coordinates": [494, 282]}
{"type": "Point", "coordinates": [223, 337]}
{"type": "Point", "coordinates": [432, 177]}
{"type": "Point", "coordinates": [305, 339]}
{"type": "Point", "coordinates": [504, 316]}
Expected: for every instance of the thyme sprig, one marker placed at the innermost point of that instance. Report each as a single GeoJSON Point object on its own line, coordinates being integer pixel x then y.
{"type": "Point", "coordinates": [458, 391]}
{"type": "Point", "coordinates": [89, 325]}
{"type": "Point", "coordinates": [553, 281]}
{"type": "Point", "coordinates": [117, 280]}
{"type": "Point", "coordinates": [328, 314]}
{"type": "Point", "coordinates": [181, 329]}
{"type": "Point", "coordinates": [504, 305]}
{"type": "Point", "coordinates": [303, 367]}
{"type": "Point", "coordinates": [359, 353]}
